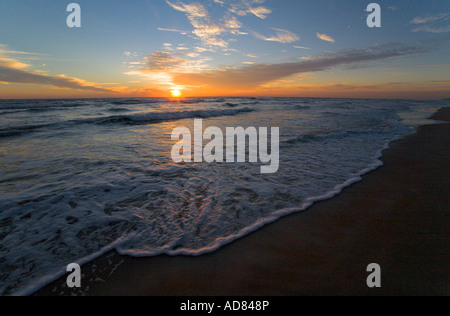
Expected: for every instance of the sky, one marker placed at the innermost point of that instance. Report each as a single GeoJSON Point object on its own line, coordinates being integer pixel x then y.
{"type": "Point", "coordinates": [289, 48]}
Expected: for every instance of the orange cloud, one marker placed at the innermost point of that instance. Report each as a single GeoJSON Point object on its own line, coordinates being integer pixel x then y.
{"type": "Point", "coordinates": [325, 37]}
{"type": "Point", "coordinates": [15, 71]}
{"type": "Point", "coordinates": [255, 75]}
{"type": "Point", "coordinates": [283, 36]}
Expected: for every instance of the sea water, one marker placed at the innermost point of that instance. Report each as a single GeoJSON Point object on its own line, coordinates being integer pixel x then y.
{"type": "Point", "coordinates": [82, 177]}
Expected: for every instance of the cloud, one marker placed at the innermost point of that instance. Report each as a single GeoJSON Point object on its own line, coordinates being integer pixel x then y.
{"type": "Point", "coordinates": [210, 31]}
{"type": "Point", "coordinates": [214, 33]}
{"type": "Point", "coordinates": [159, 67]}
{"type": "Point", "coordinates": [431, 29]}
{"type": "Point", "coordinates": [12, 63]}
{"type": "Point", "coordinates": [282, 36]}
{"type": "Point", "coordinates": [233, 23]}
{"type": "Point", "coordinates": [429, 18]}
{"type": "Point", "coordinates": [260, 12]}
{"type": "Point", "coordinates": [163, 61]}
{"type": "Point", "coordinates": [173, 30]}
{"type": "Point", "coordinates": [203, 49]}
{"type": "Point", "coordinates": [248, 7]}
{"type": "Point", "coordinates": [325, 37]}
{"type": "Point", "coordinates": [5, 51]}
{"type": "Point", "coordinates": [15, 71]}
{"type": "Point", "coordinates": [254, 75]}
{"type": "Point", "coordinates": [194, 10]}
{"type": "Point", "coordinates": [432, 23]}
{"type": "Point", "coordinates": [14, 75]}
{"type": "Point", "coordinates": [204, 29]}
{"type": "Point", "coordinates": [439, 81]}
{"type": "Point", "coordinates": [130, 54]}
{"type": "Point", "coordinates": [341, 87]}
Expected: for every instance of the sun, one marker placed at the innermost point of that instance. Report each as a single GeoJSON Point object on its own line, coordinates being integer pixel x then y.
{"type": "Point", "coordinates": [176, 93]}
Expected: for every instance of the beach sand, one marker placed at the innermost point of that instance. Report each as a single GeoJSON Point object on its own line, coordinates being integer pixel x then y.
{"type": "Point", "coordinates": [397, 217]}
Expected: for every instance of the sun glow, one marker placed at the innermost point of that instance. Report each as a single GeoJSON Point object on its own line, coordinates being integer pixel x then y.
{"type": "Point", "coordinates": [176, 93]}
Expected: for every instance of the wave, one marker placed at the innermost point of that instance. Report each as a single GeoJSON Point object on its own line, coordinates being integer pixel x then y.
{"type": "Point", "coordinates": [121, 245]}
{"type": "Point", "coordinates": [10, 112]}
{"type": "Point", "coordinates": [171, 249]}
{"type": "Point", "coordinates": [132, 119]}
{"type": "Point", "coordinates": [50, 105]}
{"type": "Point", "coordinates": [192, 101]}
{"type": "Point", "coordinates": [42, 107]}
{"type": "Point", "coordinates": [135, 207]}
{"type": "Point", "coordinates": [155, 117]}
{"type": "Point", "coordinates": [119, 110]}
{"type": "Point", "coordinates": [137, 101]}
{"type": "Point", "coordinates": [324, 137]}
{"type": "Point", "coordinates": [124, 102]}
{"type": "Point", "coordinates": [20, 130]}
{"type": "Point", "coordinates": [302, 107]}
{"type": "Point", "coordinates": [230, 105]}
{"type": "Point", "coordinates": [218, 100]}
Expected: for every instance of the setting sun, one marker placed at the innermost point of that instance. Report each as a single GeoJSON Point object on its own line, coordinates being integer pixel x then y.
{"type": "Point", "coordinates": [176, 93]}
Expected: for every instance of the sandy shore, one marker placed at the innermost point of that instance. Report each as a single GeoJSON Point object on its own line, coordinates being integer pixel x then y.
{"type": "Point", "coordinates": [398, 217]}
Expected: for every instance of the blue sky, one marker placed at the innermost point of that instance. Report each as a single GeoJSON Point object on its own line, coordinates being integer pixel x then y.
{"type": "Point", "coordinates": [151, 47]}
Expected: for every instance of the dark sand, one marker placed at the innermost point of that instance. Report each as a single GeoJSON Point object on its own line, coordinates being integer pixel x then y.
{"type": "Point", "coordinates": [398, 217]}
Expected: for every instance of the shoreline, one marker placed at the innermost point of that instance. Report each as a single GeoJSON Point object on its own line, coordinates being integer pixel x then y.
{"type": "Point", "coordinates": [387, 219]}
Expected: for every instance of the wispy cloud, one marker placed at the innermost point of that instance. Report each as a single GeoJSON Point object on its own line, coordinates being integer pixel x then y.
{"type": "Point", "coordinates": [169, 62]}
{"type": "Point", "coordinates": [5, 50]}
{"type": "Point", "coordinates": [215, 33]}
{"type": "Point", "coordinates": [260, 12]}
{"type": "Point", "coordinates": [254, 75]}
{"type": "Point", "coordinates": [193, 10]}
{"type": "Point", "coordinates": [429, 18]}
{"type": "Point", "coordinates": [248, 7]}
{"type": "Point", "coordinates": [204, 28]}
{"type": "Point", "coordinates": [212, 32]}
{"type": "Point", "coordinates": [173, 30]}
{"type": "Point", "coordinates": [438, 23]}
{"type": "Point", "coordinates": [325, 37]}
{"type": "Point", "coordinates": [432, 29]}
{"type": "Point", "coordinates": [282, 36]}
{"type": "Point", "coordinates": [130, 54]}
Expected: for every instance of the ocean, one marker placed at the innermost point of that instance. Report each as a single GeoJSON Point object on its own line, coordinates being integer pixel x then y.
{"type": "Point", "coordinates": [82, 177]}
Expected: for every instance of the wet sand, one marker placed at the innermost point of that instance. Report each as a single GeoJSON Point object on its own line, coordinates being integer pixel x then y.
{"type": "Point", "coordinates": [397, 217]}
